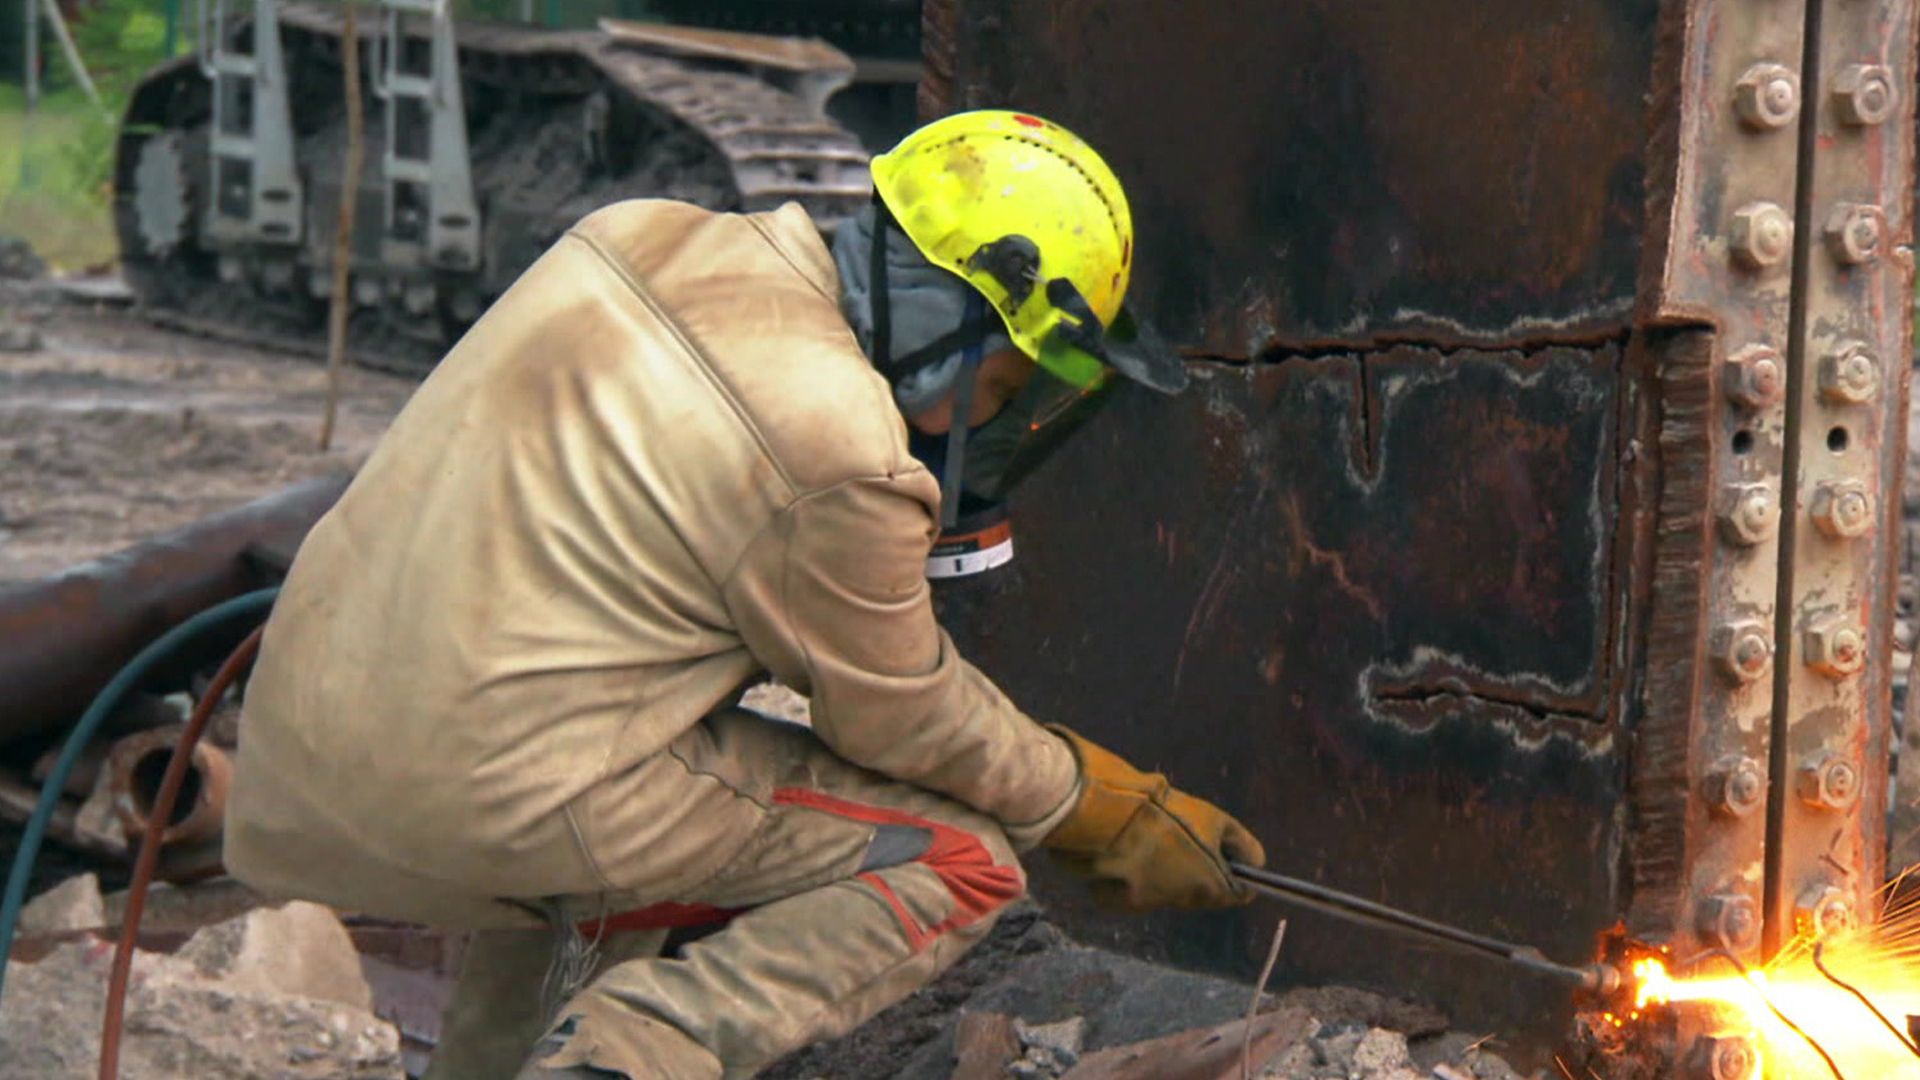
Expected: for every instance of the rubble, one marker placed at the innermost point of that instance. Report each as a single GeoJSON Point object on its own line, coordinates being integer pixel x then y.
{"type": "Point", "coordinates": [1031, 1004]}
{"type": "Point", "coordinates": [74, 904]}
{"type": "Point", "coordinates": [274, 993]}
{"type": "Point", "coordinates": [1048, 1049]}
{"type": "Point", "coordinates": [298, 948]}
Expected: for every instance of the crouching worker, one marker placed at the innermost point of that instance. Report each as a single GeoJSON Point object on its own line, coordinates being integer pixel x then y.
{"type": "Point", "coordinates": [686, 449]}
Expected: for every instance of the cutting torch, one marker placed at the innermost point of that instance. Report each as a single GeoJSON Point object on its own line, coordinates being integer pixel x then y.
{"type": "Point", "coordinates": [1601, 979]}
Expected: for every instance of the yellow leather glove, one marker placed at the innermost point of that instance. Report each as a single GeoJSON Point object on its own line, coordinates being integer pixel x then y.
{"type": "Point", "coordinates": [1145, 843]}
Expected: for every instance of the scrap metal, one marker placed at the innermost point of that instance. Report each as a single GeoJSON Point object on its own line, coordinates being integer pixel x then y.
{"type": "Point", "coordinates": [67, 634]}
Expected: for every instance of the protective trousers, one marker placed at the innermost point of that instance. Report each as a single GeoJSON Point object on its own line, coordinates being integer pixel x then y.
{"type": "Point", "coordinates": [847, 893]}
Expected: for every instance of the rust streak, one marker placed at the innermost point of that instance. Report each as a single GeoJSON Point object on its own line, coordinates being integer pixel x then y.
{"type": "Point", "coordinates": [1334, 561]}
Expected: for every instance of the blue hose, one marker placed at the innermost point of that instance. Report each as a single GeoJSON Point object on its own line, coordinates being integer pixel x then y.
{"type": "Point", "coordinates": [128, 677]}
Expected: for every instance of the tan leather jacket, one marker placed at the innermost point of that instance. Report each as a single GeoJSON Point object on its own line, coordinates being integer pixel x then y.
{"type": "Point", "coordinates": [658, 465]}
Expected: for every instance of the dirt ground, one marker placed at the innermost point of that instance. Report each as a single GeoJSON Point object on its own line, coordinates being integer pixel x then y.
{"type": "Point", "coordinates": [113, 430]}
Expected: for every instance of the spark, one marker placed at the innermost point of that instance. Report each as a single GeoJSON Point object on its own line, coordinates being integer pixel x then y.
{"type": "Point", "coordinates": [1881, 961]}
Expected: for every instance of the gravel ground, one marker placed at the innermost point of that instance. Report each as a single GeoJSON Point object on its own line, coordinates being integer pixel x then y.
{"type": "Point", "coordinates": [112, 430]}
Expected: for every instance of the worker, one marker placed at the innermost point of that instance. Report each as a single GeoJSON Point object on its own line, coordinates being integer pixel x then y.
{"type": "Point", "coordinates": [685, 450]}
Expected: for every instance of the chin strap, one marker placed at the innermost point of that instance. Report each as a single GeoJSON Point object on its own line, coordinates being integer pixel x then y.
{"type": "Point", "coordinates": [961, 414]}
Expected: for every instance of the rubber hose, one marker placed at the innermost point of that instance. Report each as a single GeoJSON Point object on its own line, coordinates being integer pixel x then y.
{"type": "Point", "coordinates": [218, 616]}
{"type": "Point", "coordinates": [149, 860]}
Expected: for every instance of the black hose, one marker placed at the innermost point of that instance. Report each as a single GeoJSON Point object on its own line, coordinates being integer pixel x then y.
{"type": "Point", "coordinates": [1767, 1000]}
{"type": "Point", "coordinates": [1820, 966]}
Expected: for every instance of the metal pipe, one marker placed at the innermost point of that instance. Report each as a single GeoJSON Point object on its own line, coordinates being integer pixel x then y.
{"type": "Point", "coordinates": [17, 801]}
{"type": "Point", "coordinates": [135, 767]}
{"type": "Point", "coordinates": [71, 52]}
{"type": "Point", "coordinates": [31, 12]}
{"type": "Point", "coordinates": [68, 634]}
{"type": "Point", "coordinates": [1600, 978]}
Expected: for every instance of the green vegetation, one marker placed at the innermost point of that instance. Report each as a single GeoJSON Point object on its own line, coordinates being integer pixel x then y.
{"type": "Point", "coordinates": [54, 173]}
{"type": "Point", "coordinates": [56, 164]}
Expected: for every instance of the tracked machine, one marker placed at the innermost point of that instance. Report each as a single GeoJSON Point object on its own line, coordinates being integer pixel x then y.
{"type": "Point", "coordinates": [483, 143]}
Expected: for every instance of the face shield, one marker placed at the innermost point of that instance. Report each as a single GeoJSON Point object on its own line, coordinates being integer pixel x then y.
{"type": "Point", "coordinates": [898, 306]}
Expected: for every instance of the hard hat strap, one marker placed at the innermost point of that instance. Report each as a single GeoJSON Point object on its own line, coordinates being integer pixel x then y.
{"type": "Point", "coordinates": [975, 327]}
{"type": "Point", "coordinates": [878, 305]}
{"type": "Point", "coordinates": [960, 416]}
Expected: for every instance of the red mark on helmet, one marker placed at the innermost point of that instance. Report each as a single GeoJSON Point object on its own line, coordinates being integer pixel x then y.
{"type": "Point", "coordinates": [1126, 251]}
{"type": "Point", "coordinates": [1030, 121]}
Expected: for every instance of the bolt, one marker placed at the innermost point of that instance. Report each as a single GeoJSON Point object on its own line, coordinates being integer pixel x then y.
{"type": "Point", "coordinates": [1829, 783]}
{"type": "Point", "coordinates": [1853, 232]}
{"type": "Point", "coordinates": [1749, 513]}
{"type": "Point", "coordinates": [1762, 234]}
{"type": "Point", "coordinates": [1754, 377]}
{"type": "Point", "coordinates": [1735, 786]}
{"type": "Point", "coordinates": [1835, 648]}
{"type": "Point", "coordinates": [1865, 95]}
{"type": "Point", "coordinates": [1842, 509]}
{"type": "Point", "coordinates": [1743, 649]}
{"type": "Point", "coordinates": [1767, 96]}
{"type": "Point", "coordinates": [1723, 1057]}
{"type": "Point", "coordinates": [1850, 374]}
{"type": "Point", "coordinates": [1728, 920]}
{"type": "Point", "coordinates": [1823, 911]}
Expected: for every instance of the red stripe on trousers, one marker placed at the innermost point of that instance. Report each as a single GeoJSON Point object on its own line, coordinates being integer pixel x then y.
{"type": "Point", "coordinates": [979, 885]}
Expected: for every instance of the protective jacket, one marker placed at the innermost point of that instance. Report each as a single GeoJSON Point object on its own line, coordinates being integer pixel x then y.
{"type": "Point", "coordinates": [657, 466]}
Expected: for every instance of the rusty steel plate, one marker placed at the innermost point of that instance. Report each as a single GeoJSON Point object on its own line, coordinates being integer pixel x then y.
{"type": "Point", "coordinates": [1364, 603]}
{"type": "Point", "coordinates": [1344, 172]}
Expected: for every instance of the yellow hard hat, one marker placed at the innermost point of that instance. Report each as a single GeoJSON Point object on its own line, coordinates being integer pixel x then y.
{"type": "Point", "coordinates": [1033, 218]}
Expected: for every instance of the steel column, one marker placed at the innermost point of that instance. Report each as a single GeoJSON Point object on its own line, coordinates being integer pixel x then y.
{"type": "Point", "coordinates": [1720, 273]}
{"type": "Point", "coordinates": [1844, 457]}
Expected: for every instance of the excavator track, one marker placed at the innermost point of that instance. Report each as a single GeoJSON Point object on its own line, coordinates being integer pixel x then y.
{"type": "Point", "coordinates": [559, 124]}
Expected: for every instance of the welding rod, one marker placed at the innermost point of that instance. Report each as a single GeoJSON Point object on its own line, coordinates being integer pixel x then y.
{"type": "Point", "coordinates": [1600, 978]}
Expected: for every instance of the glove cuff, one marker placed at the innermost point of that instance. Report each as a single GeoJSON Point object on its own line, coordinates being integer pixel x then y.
{"type": "Point", "coordinates": [1112, 791]}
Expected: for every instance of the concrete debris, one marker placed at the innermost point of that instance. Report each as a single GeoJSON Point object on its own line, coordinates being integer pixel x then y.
{"type": "Point", "coordinates": [984, 1045]}
{"type": "Point", "coordinates": [298, 949]}
{"type": "Point", "coordinates": [19, 262]}
{"type": "Point", "coordinates": [74, 904]}
{"type": "Point", "coordinates": [1348, 1051]}
{"type": "Point", "coordinates": [209, 1012]}
{"type": "Point", "coordinates": [1049, 1050]}
{"type": "Point", "coordinates": [1203, 1053]}
{"type": "Point", "coordinates": [776, 701]}
{"type": "Point", "coordinates": [183, 909]}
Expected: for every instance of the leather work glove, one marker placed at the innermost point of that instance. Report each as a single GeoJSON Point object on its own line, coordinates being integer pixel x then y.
{"type": "Point", "coordinates": [1146, 843]}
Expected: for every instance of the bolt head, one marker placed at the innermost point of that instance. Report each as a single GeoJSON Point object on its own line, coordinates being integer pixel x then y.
{"type": "Point", "coordinates": [1836, 648]}
{"type": "Point", "coordinates": [1729, 920]}
{"type": "Point", "coordinates": [1761, 235]}
{"type": "Point", "coordinates": [1865, 94]}
{"type": "Point", "coordinates": [1743, 649]}
{"type": "Point", "coordinates": [1823, 911]}
{"type": "Point", "coordinates": [1723, 1057]}
{"type": "Point", "coordinates": [1853, 232]}
{"type": "Point", "coordinates": [1755, 377]}
{"type": "Point", "coordinates": [1842, 509]}
{"type": "Point", "coordinates": [1829, 783]}
{"type": "Point", "coordinates": [1850, 374]}
{"type": "Point", "coordinates": [1736, 786]}
{"type": "Point", "coordinates": [1749, 513]}
{"type": "Point", "coordinates": [1767, 97]}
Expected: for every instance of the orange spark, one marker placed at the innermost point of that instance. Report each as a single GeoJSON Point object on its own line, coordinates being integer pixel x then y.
{"type": "Point", "coordinates": [1882, 961]}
